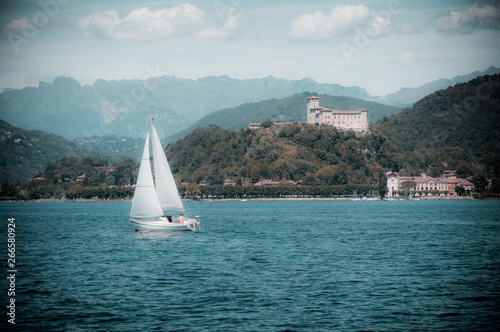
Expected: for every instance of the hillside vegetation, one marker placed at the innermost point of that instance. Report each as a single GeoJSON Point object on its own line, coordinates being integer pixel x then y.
{"type": "Point", "coordinates": [327, 162]}
{"type": "Point", "coordinates": [288, 109]}
{"type": "Point", "coordinates": [119, 146]}
{"type": "Point", "coordinates": [24, 153]}
{"type": "Point", "coordinates": [457, 128]}
{"type": "Point", "coordinates": [315, 155]}
{"type": "Point", "coordinates": [74, 177]}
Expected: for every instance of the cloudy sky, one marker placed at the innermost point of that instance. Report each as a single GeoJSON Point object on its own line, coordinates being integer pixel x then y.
{"type": "Point", "coordinates": [378, 45]}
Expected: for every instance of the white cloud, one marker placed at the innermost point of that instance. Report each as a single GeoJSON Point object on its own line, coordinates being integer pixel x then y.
{"type": "Point", "coordinates": [341, 21]}
{"type": "Point", "coordinates": [143, 24]}
{"type": "Point", "coordinates": [407, 28]}
{"type": "Point", "coordinates": [21, 26]}
{"type": "Point", "coordinates": [378, 26]}
{"type": "Point", "coordinates": [406, 58]}
{"type": "Point", "coordinates": [229, 30]}
{"type": "Point", "coordinates": [467, 21]}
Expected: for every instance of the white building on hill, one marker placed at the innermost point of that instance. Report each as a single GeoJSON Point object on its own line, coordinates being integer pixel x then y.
{"type": "Point", "coordinates": [356, 121]}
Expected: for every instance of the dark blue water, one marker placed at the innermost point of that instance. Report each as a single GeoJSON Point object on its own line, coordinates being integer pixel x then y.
{"type": "Point", "coordinates": [258, 266]}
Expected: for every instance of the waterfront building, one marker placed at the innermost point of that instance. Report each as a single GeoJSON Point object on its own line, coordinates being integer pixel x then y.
{"type": "Point", "coordinates": [392, 183]}
{"type": "Point", "coordinates": [445, 185]}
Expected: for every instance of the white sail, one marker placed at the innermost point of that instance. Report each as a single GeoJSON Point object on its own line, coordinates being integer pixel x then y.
{"type": "Point", "coordinates": [145, 203]}
{"type": "Point", "coordinates": [166, 189]}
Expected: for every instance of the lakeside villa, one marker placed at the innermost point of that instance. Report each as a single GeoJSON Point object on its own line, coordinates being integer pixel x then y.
{"type": "Point", "coordinates": [417, 185]}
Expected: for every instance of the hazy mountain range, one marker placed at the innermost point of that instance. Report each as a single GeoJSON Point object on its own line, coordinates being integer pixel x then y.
{"type": "Point", "coordinates": [123, 108]}
{"type": "Point", "coordinates": [408, 96]}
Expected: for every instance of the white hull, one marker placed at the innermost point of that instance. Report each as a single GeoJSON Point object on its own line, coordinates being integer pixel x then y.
{"type": "Point", "coordinates": [162, 225]}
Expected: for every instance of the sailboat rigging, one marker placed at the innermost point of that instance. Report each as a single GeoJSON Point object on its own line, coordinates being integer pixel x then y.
{"type": "Point", "coordinates": [154, 196]}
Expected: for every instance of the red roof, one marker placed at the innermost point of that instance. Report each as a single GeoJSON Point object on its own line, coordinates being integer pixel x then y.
{"type": "Point", "coordinates": [38, 179]}
{"type": "Point", "coordinates": [418, 179]}
{"type": "Point", "coordinates": [267, 183]}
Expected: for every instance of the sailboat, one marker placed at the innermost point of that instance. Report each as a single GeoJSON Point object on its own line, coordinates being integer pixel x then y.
{"type": "Point", "coordinates": [153, 197]}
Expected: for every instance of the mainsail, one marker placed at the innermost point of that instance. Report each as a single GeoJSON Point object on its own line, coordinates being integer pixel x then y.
{"type": "Point", "coordinates": [165, 184]}
{"type": "Point", "coordinates": [145, 202]}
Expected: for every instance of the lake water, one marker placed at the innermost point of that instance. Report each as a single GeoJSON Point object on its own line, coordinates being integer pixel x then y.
{"type": "Point", "coordinates": [257, 266]}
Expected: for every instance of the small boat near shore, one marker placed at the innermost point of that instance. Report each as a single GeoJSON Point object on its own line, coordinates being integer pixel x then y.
{"type": "Point", "coordinates": [156, 205]}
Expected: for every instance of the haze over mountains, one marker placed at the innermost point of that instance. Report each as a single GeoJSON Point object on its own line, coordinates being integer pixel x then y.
{"type": "Point", "coordinates": [458, 125]}
{"type": "Point", "coordinates": [123, 108]}
{"type": "Point", "coordinates": [407, 96]}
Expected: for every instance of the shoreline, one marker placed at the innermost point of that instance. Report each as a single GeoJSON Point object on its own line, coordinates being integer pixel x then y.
{"type": "Point", "coordinates": [277, 199]}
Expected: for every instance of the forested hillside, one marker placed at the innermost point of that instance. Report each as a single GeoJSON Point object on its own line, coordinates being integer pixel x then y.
{"type": "Point", "coordinates": [74, 177]}
{"type": "Point", "coordinates": [315, 155]}
{"type": "Point", "coordinates": [24, 153]}
{"type": "Point", "coordinates": [125, 146]}
{"type": "Point", "coordinates": [320, 157]}
{"type": "Point", "coordinates": [458, 127]}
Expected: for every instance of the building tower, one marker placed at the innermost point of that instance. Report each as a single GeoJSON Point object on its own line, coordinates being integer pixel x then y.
{"type": "Point", "coordinates": [312, 107]}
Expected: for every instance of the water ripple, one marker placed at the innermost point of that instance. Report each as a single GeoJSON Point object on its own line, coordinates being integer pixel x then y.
{"type": "Point", "coordinates": [260, 266]}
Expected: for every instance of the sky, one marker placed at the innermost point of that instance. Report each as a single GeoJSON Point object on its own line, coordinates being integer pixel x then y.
{"type": "Point", "coordinates": [381, 46]}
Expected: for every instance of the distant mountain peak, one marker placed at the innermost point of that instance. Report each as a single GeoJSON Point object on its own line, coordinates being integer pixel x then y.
{"type": "Point", "coordinates": [66, 82]}
{"type": "Point", "coordinates": [308, 80]}
{"type": "Point", "coordinates": [61, 82]}
{"type": "Point", "coordinates": [491, 70]}
{"type": "Point", "coordinates": [407, 96]}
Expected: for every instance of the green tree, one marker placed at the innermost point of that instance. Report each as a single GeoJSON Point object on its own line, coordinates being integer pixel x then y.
{"type": "Point", "coordinates": [460, 190]}
{"type": "Point", "coordinates": [382, 185]}
{"type": "Point", "coordinates": [266, 123]}
{"type": "Point", "coordinates": [480, 182]}
{"type": "Point", "coordinates": [8, 189]}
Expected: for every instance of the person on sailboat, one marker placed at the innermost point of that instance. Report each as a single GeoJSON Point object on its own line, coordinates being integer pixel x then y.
{"type": "Point", "coordinates": [181, 219]}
